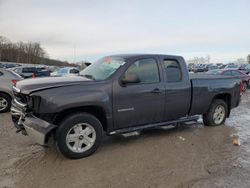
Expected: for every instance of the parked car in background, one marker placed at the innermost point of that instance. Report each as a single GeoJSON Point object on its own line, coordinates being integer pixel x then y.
{"type": "Point", "coordinates": [7, 80]}
{"type": "Point", "coordinates": [66, 71]}
{"type": "Point", "coordinates": [9, 65]}
{"type": "Point", "coordinates": [209, 67]}
{"type": "Point", "coordinates": [199, 68]}
{"type": "Point", "coordinates": [245, 78]}
{"type": "Point", "coordinates": [191, 67]}
{"type": "Point", "coordinates": [220, 65]}
{"type": "Point", "coordinates": [231, 66]}
{"type": "Point", "coordinates": [242, 66]}
{"type": "Point", "coordinates": [31, 72]}
{"type": "Point", "coordinates": [245, 68]}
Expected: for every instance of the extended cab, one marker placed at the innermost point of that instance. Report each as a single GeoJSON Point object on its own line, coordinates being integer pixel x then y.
{"type": "Point", "coordinates": [119, 94]}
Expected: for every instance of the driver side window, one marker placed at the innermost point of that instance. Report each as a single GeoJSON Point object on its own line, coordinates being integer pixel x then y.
{"type": "Point", "coordinates": [146, 70]}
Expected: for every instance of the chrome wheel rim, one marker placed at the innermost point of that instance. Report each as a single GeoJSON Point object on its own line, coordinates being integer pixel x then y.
{"type": "Point", "coordinates": [219, 114]}
{"type": "Point", "coordinates": [3, 103]}
{"type": "Point", "coordinates": [81, 137]}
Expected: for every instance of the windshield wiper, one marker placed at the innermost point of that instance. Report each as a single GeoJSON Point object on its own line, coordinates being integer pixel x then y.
{"type": "Point", "coordinates": [89, 76]}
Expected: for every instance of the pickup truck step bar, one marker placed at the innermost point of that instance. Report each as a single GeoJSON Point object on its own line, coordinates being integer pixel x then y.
{"type": "Point", "coordinates": [191, 119]}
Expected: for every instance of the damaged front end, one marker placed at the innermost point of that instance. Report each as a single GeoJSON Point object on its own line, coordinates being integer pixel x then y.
{"type": "Point", "coordinates": [26, 122]}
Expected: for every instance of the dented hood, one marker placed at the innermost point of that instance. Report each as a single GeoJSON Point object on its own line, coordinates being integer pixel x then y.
{"type": "Point", "coordinates": [28, 86]}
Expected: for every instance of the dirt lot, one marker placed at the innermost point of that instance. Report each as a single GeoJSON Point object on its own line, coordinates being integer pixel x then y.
{"type": "Point", "coordinates": [188, 156]}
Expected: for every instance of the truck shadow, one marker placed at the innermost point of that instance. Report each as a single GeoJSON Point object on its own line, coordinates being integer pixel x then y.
{"type": "Point", "coordinates": [148, 134]}
{"type": "Point", "coordinates": [111, 143]}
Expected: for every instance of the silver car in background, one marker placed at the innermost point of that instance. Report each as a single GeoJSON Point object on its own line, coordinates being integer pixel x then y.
{"type": "Point", "coordinates": [7, 80]}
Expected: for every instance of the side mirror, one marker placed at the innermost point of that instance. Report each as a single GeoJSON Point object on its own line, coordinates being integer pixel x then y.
{"type": "Point", "coordinates": [130, 79]}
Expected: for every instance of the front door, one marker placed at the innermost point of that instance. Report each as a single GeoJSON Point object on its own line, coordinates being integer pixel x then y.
{"type": "Point", "coordinates": [139, 103]}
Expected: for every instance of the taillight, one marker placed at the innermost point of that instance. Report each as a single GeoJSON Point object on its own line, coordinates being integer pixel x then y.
{"type": "Point", "coordinates": [14, 82]}
{"type": "Point", "coordinates": [33, 75]}
{"type": "Point", "coordinates": [241, 88]}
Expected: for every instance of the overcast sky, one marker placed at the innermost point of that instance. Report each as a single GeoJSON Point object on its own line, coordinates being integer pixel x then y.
{"type": "Point", "coordinates": [219, 28]}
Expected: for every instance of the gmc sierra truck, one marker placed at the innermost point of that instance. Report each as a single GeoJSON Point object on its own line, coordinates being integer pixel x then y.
{"type": "Point", "coordinates": [119, 94]}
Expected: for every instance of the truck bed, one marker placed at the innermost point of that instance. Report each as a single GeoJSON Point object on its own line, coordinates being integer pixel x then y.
{"type": "Point", "coordinates": [205, 87]}
{"type": "Point", "coordinates": [202, 76]}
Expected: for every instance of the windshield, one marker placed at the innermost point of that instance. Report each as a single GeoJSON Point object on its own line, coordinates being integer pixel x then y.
{"type": "Point", "coordinates": [103, 68]}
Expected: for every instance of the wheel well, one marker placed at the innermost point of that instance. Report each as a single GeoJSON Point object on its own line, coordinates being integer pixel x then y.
{"type": "Point", "coordinates": [1, 92]}
{"type": "Point", "coordinates": [96, 111]}
{"type": "Point", "coordinates": [227, 98]}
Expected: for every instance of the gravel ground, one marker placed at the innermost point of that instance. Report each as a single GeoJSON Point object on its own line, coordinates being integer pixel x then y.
{"type": "Point", "coordinates": [187, 156]}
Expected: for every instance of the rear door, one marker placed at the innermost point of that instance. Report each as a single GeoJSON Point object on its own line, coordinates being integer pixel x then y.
{"type": "Point", "coordinates": [178, 88]}
{"type": "Point", "coordinates": [139, 103]}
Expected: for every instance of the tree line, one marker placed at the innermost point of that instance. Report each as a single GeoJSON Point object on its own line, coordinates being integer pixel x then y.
{"type": "Point", "coordinates": [28, 53]}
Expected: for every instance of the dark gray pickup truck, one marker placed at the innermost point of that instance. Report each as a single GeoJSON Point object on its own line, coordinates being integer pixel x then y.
{"type": "Point", "coordinates": [119, 94]}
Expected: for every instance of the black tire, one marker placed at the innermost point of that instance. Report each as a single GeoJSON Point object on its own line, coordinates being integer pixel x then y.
{"type": "Point", "coordinates": [67, 124]}
{"type": "Point", "coordinates": [8, 99]}
{"type": "Point", "coordinates": [208, 119]}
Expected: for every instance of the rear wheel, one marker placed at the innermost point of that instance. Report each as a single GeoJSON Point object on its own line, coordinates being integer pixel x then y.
{"type": "Point", "coordinates": [5, 103]}
{"type": "Point", "coordinates": [79, 135]}
{"type": "Point", "coordinates": [216, 115]}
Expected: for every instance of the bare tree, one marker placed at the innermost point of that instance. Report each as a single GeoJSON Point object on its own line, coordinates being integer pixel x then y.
{"type": "Point", "coordinates": [199, 60]}
{"type": "Point", "coordinates": [20, 52]}
{"type": "Point", "coordinates": [30, 53]}
{"type": "Point", "coordinates": [3, 44]}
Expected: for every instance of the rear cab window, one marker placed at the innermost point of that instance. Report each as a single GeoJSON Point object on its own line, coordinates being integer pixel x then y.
{"type": "Point", "coordinates": [172, 70]}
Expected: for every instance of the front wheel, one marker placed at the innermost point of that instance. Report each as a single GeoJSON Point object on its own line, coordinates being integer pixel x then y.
{"type": "Point", "coordinates": [5, 103]}
{"type": "Point", "coordinates": [217, 113]}
{"type": "Point", "coordinates": [79, 135]}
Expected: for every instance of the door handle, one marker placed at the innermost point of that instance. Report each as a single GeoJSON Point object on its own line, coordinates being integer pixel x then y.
{"type": "Point", "coordinates": [156, 90]}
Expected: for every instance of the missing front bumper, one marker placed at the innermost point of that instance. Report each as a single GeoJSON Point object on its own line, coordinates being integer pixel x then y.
{"type": "Point", "coordinates": [36, 128]}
